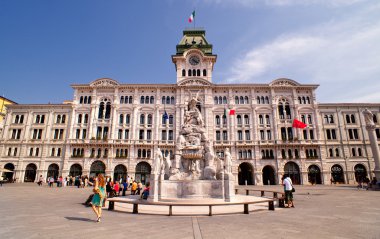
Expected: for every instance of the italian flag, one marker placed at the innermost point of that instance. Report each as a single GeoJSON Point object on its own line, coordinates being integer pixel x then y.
{"type": "Point", "coordinates": [229, 112]}
{"type": "Point", "coordinates": [191, 18]}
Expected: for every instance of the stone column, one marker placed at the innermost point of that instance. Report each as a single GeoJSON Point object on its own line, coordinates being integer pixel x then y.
{"type": "Point", "coordinates": [370, 126]}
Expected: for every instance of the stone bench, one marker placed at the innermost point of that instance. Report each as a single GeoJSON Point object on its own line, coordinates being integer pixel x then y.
{"type": "Point", "coordinates": [281, 199]}
{"type": "Point", "coordinates": [136, 203]}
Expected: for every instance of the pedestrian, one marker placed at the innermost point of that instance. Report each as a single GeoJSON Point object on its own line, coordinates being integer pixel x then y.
{"type": "Point", "coordinates": [116, 188]}
{"type": "Point", "coordinates": [139, 188]}
{"type": "Point", "coordinates": [40, 180]}
{"type": "Point", "coordinates": [288, 187]}
{"type": "Point", "coordinates": [128, 181]}
{"type": "Point", "coordinates": [125, 186]}
{"type": "Point", "coordinates": [100, 193]}
{"type": "Point", "coordinates": [1, 179]}
{"type": "Point", "coordinates": [133, 188]}
{"type": "Point", "coordinates": [51, 181]}
{"type": "Point", "coordinates": [145, 193]}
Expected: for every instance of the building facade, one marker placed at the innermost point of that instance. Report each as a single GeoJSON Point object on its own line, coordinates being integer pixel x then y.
{"type": "Point", "coordinates": [114, 128]}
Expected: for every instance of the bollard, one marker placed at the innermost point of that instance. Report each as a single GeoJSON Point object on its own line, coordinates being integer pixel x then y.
{"type": "Point", "coordinates": [111, 205]}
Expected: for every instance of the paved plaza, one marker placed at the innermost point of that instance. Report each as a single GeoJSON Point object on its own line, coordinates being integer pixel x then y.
{"type": "Point", "coordinates": [29, 211]}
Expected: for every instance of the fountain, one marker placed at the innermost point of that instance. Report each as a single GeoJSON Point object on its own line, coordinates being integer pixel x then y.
{"type": "Point", "coordinates": [196, 172]}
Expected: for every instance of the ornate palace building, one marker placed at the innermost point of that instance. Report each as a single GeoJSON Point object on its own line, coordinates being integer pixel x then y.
{"type": "Point", "coordinates": [114, 128]}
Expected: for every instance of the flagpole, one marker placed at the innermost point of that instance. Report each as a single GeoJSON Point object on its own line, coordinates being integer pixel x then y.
{"type": "Point", "coordinates": [194, 18]}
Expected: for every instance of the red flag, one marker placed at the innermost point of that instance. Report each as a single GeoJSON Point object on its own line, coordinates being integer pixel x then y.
{"type": "Point", "coordinates": [232, 112]}
{"type": "Point", "coordinates": [298, 124]}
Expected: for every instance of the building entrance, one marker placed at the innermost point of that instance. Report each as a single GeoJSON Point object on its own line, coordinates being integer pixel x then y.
{"type": "Point", "coordinates": [337, 175]}
{"type": "Point", "coordinates": [120, 172]}
{"type": "Point", "coordinates": [360, 172]}
{"type": "Point", "coordinates": [75, 170]}
{"type": "Point", "coordinates": [245, 174]}
{"type": "Point", "coordinates": [53, 171]}
{"type": "Point", "coordinates": [8, 176]}
{"type": "Point", "coordinates": [314, 174]}
{"type": "Point", "coordinates": [30, 173]}
{"type": "Point", "coordinates": [293, 171]}
{"type": "Point", "coordinates": [269, 177]}
{"type": "Point", "coordinates": [142, 174]}
{"type": "Point", "coordinates": [97, 167]}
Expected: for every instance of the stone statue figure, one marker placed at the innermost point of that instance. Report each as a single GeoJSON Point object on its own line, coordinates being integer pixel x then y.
{"type": "Point", "coordinates": [368, 116]}
{"type": "Point", "coordinates": [167, 164]}
{"type": "Point", "coordinates": [210, 170]}
{"type": "Point", "coordinates": [228, 160]}
{"type": "Point", "coordinates": [158, 162]}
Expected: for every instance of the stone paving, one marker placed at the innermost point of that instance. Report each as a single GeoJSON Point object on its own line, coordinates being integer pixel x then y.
{"type": "Point", "coordinates": [29, 211]}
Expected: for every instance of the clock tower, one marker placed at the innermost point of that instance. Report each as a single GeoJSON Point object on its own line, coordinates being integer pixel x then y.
{"type": "Point", "coordinates": [194, 61]}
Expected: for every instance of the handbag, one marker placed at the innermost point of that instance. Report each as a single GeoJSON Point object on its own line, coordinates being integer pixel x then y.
{"type": "Point", "coordinates": [293, 189]}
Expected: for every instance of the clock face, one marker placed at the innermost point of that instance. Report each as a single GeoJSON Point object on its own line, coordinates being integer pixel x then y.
{"type": "Point", "coordinates": [194, 60]}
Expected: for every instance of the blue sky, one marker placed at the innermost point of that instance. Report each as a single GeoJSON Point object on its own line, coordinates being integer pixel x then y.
{"type": "Point", "coordinates": [47, 45]}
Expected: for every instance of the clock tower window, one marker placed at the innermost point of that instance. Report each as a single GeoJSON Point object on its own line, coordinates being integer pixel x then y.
{"type": "Point", "coordinates": [204, 72]}
{"type": "Point", "coordinates": [189, 74]}
{"type": "Point", "coordinates": [183, 72]}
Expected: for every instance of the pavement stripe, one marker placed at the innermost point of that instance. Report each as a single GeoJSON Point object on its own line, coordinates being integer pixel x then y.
{"type": "Point", "coordinates": [196, 229]}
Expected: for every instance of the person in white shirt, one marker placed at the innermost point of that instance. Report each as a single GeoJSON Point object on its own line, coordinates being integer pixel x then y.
{"type": "Point", "coordinates": [288, 188]}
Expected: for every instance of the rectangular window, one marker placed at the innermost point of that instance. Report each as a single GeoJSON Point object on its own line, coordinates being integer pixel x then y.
{"type": "Point", "coordinates": [18, 134]}
{"type": "Point", "coordinates": [141, 134]}
{"type": "Point", "coordinates": [126, 134]}
{"type": "Point", "coordinates": [262, 135]}
{"type": "Point", "coordinates": [61, 134]}
{"type": "Point", "coordinates": [333, 134]}
{"type": "Point", "coordinates": [13, 134]}
{"type": "Point", "coordinates": [170, 134]}
{"type": "Point", "coordinates": [15, 152]}
{"type": "Point", "coordinates": [84, 134]}
{"type": "Point", "coordinates": [163, 135]}
{"type": "Point", "coordinates": [149, 134]}
{"type": "Point", "coordinates": [269, 135]}
{"type": "Point", "coordinates": [305, 133]}
{"type": "Point", "coordinates": [120, 134]}
{"type": "Point", "coordinates": [77, 134]}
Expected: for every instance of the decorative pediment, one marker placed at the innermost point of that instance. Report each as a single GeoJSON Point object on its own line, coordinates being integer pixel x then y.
{"type": "Point", "coordinates": [194, 82]}
{"type": "Point", "coordinates": [284, 82]}
{"type": "Point", "coordinates": [104, 82]}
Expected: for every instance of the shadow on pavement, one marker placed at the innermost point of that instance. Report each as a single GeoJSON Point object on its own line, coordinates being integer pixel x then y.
{"type": "Point", "coordinates": [79, 219]}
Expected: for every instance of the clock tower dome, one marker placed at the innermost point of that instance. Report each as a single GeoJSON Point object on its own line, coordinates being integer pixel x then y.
{"type": "Point", "coordinates": [194, 61]}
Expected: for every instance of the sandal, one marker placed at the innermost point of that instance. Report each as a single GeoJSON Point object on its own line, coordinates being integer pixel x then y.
{"type": "Point", "coordinates": [98, 219]}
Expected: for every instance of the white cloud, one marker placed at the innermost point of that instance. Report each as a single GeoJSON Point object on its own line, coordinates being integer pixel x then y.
{"type": "Point", "coordinates": [341, 56]}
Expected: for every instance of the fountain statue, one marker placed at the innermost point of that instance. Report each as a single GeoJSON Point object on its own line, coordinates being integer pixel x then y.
{"type": "Point", "coordinates": [196, 172]}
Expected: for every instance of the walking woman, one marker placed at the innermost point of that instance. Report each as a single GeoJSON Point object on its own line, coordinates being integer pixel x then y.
{"type": "Point", "coordinates": [99, 195]}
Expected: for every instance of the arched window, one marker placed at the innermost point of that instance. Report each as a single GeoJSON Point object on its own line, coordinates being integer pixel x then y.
{"type": "Point", "coordinates": [142, 119]}
{"type": "Point", "coordinates": [30, 151]}
{"type": "Point", "coordinates": [127, 119]}
{"type": "Point", "coordinates": [85, 99]}
{"type": "Point", "coordinates": [58, 120]}
{"type": "Point", "coordinates": [172, 100]}
{"type": "Point", "coordinates": [53, 152]}
{"type": "Point", "coordinates": [262, 100]}
{"type": "Point", "coordinates": [79, 118]}
{"type": "Point", "coordinates": [85, 118]}
{"type": "Point", "coordinates": [236, 100]}
{"type": "Point", "coordinates": [238, 117]}
{"type": "Point", "coordinates": [171, 119]}
{"type": "Point", "coordinates": [215, 100]}
{"type": "Point", "coordinates": [220, 100]}
{"type": "Point", "coordinates": [146, 99]}
{"type": "Point", "coordinates": [122, 100]}
{"type": "Point", "coordinates": [246, 120]}
{"type": "Point", "coordinates": [337, 152]}
{"type": "Point", "coordinates": [261, 120]}
{"type": "Point", "coordinates": [163, 100]}
{"type": "Point", "coordinates": [42, 119]}
{"type": "Point", "coordinates": [304, 99]}
{"type": "Point", "coordinates": [249, 154]}
{"type": "Point", "coordinates": [267, 120]}
{"type": "Point", "coordinates": [151, 101]}
{"type": "Point", "coordinates": [353, 119]}
{"type": "Point", "coordinates": [81, 100]}
{"type": "Point", "coordinates": [296, 153]}
{"type": "Point", "coordinates": [374, 119]}
{"type": "Point", "coordinates": [198, 72]}
{"type": "Point", "coordinates": [194, 72]}
{"type": "Point", "coordinates": [308, 100]}
{"type": "Point", "coordinates": [283, 153]}
{"type": "Point", "coordinates": [315, 153]}
{"type": "Point", "coordinates": [121, 119]}
{"type": "Point", "coordinates": [348, 120]}
{"type": "Point", "coordinates": [149, 119]}
{"type": "Point", "coordinates": [163, 121]}
{"type": "Point", "coordinates": [241, 100]}
{"type": "Point", "coordinates": [204, 72]}
{"type": "Point", "coordinates": [258, 99]}
{"type": "Point", "coordinates": [189, 73]}
{"type": "Point", "coordinates": [246, 100]}
{"type": "Point", "coordinates": [130, 99]}
{"type": "Point", "coordinates": [224, 120]}
{"type": "Point", "coordinates": [142, 99]}
{"type": "Point", "coordinates": [148, 153]}
{"type": "Point", "coordinates": [144, 153]}
{"type": "Point", "coordinates": [331, 153]}
{"type": "Point", "coordinates": [266, 100]}
{"type": "Point", "coordinates": [101, 110]}
{"type": "Point", "coordinates": [108, 110]}
{"type": "Point", "coordinates": [224, 100]}
{"type": "Point", "coordinates": [168, 100]}
{"type": "Point", "coordinates": [290, 153]}
{"type": "Point", "coordinates": [139, 153]}
{"type": "Point", "coordinates": [183, 72]}
{"type": "Point", "coordinates": [217, 120]}
{"type": "Point", "coordinates": [89, 100]}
